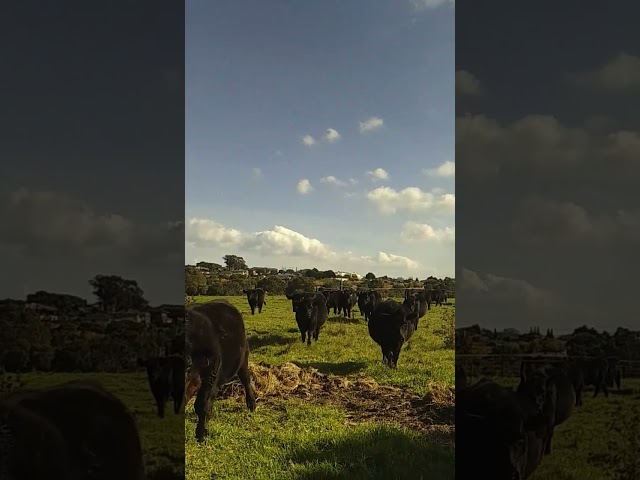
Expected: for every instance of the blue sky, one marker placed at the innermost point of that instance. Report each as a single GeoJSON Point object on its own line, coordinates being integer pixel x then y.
{"type": "Point", "coordinates": [372, 83]}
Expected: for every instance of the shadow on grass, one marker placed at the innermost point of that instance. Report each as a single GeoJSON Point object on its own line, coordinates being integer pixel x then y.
{"type": "Point", "coordinates": [167, 473]}
{"type": "Point", "coordinates": [256, 342]}
{"type": "Point", "coordinates": [341, 319]}
{"type": "Point", "coordinates": [343, 368]}
{"type": "Point", "coordinates": [373, 453]}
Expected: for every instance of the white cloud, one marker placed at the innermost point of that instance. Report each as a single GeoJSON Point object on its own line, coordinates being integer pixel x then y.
{"type": "Point", "coordinates": [202, 232]}
{"type": "Point", "coordinates": [331, 180]}
{"type": "Point", "coordinates": [411, 199]}
{"type": "Point", "coordinates": [430, 4]}
{"type": "Point", "coordinates": [282, 241]}
{"type": "Point", "coordinates": [53, 223]}
{"type": "Point", "coordinates": [543, 146]}
{"type": "Point", "coordinates": [502, 290]}
{"type": "Point", "coordinates": [378, 174]}
{"type": "Point", "coordinates": [257, 172]}
{"type": "Point", "coordinates": [467, 83]}
{"type": "Point", "coordinates": [353, 181]}
{"type": "Point", "coordinates": [304, 187]}
{"type": "Point", "coordinates": [331, 135]}
{"type": "Point", "coordinates": [308, 140]}
{"type": "Point", "coordinates": [372, 123]}
{"type": "Point", "coordinates": [621, 73]}
{"type": "Point", "coordinates": [447, 169]}
{"type": "Point", "coordinates": [423, 232]}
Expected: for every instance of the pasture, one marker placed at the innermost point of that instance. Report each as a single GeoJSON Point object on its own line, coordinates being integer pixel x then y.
{"type": "Point", "coordinates": [162, 441]}
{"type": "Point", "coordinates": [598, 438]}
{"type": "Point", "coordinates": [332, 410]}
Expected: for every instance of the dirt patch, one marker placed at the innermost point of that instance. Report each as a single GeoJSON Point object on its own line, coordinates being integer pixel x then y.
{"type": "Point", "coordinates": [363, 398]}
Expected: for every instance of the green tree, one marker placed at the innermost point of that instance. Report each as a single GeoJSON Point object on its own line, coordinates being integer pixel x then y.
{"type": "Point", "coordinates": [234, 262]}
{"type": "Point", "coordinates": [273, 285]}
{"type": "Point", "coordinates": [116, 294]}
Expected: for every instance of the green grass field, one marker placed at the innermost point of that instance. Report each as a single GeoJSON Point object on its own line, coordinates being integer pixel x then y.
{"type": "Point", "coordinates": [162, 439]}
{"type": "Point", "coordinates": [582, 446]}
{"type": "Point", "coordinates": [334, 430]}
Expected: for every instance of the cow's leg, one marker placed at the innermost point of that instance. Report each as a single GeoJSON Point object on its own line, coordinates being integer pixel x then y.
{"type": "Point", "coordinates": [605, 390]}
{"type": "Point", "coordinates": [396, 354]}
{"type": "Point", "coordinates": [596, 390]}
{"type": "Point", "coordinates": [547, 447]}
{"type": "Point", "coordinates": [160, 403]}
{"type": "Point", "coordinates": [579, 397]}
{"type": "Point", "coordinates": [245, 379]}
{"type": "Point", "coordinates": [260, 308]}
{"type": "Point", "coordinates": [302, 335]}
{"type": "Point", "coordinates": [202, 404]}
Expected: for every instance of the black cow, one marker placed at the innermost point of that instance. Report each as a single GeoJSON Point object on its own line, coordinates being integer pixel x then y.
{"type": "Point", "coordinates": [166, 379]}
{"type": "Point", "coordinates": [499, 434]}
{"type": "Point", "coordinates": [311, 315]}
{"type": "Point", "coordinates": [219, 351]}
{"type": "Point", "coordinates": [346, 300]}
{"type": "Point", "coordinates": [390, 326]}
{"type": "Point", "coordinates": [614, 376]}
{"type": "Point", "coordinates": [73, 431]}
{"type": "Point", "coordinates": [462, 379]}
{"type": "Point", "coordinates": [255, 297]}
{"type": "Point", "coordinates": [367, 302]}
{"type": "Point", "coordinates": [333, 302]}
{"type": "Point", "coordinates": [553, 393]}
{"type": "Point", "coordinates": [589, 372]}
{"type": "Point", "coordinates": [296, 297]}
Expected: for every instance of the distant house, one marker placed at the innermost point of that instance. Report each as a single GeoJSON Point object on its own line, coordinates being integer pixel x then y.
{"type": "Point", "coordinates": [45, 312]}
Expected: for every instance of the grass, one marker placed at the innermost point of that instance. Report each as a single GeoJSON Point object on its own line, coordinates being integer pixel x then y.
{"type": "Point", "coordinates": [332, 429]}
{"type": "Point", "coordinates": [597, 440]}
{"type": "Point", "coordinates": [162, 440]}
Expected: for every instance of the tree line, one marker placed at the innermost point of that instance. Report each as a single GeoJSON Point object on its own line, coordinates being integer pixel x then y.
{"type": "Point", "coordinates": [69, 334]}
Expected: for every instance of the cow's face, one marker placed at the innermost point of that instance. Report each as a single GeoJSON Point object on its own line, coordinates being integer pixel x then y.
{"type": "Point", "coordinates": [305, 307]}
{"type": "Point", "coordinates": [534, 386]}
{"type": "Point", "coordinates": [410, 303]}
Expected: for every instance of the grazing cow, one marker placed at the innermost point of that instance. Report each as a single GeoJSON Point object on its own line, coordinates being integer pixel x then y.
{"type": "Point", "coordinates": [166, 379]}
{"type": "Point", "coordinates": [499, 434]}
{"type": "Point", "coordinates": [390, 326]}
{"type": "Point", "coordinates": [73, 431]}
{"type": "Point", "coordinates": [553, 393]}
{"type": "Point", "coordinates": [219, 351]}
{"type": "Point", "coordinates": [311, 315]}
{"type": "Point", "coordinates": [255, 297]}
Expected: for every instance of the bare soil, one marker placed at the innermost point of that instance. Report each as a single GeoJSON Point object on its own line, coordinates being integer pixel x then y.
{"type": "Point", "coordinates": [362, 398]}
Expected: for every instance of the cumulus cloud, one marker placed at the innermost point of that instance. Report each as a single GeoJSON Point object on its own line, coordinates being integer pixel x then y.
{"type": "Point", "coordinates": [447, 169]}
{"type": "Point", "coordinates": [621, 73]}
{"type": "Point", "coordinates": [467, 83]}
{"type": "Point", "coordinates": [423, 233]}
{"type": "Point", "coordinates": [370, 124]}
{"type": "Point", "coordinates": [420, 5]}
{"type": "Point", "coordinates": [411, 199]}
{"type": "Point", "coordinates": [331, 135]}
{"type": "Point", "coordinates": [308, 140]}
{"type": "Point", "coordinates": [282, 241]}
{"type": "Point", "coordinates": [378, 174]}
{"type": "Point", "coordinates": [501, 290]}
{"type": "Point", "coordinates": [331, 180]}
{"type": "Point", "coordinates": [541, 221]}
{"type": "Point", "coordinates": [304, 187]}
{"type": "Point", "coordinates": [48, 223]}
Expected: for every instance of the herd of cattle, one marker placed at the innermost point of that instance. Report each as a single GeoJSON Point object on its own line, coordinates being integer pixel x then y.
{"type": "Point", "coordinates": [103, 441]}
{"type": "Point", "coordinates": [217, 346]}
{"type": "Point", "coordinates": [504, 433]}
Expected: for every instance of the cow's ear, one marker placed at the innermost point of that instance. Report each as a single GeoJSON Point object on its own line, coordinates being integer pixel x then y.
{"type": "Point", "coordinates": [141, 362]}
